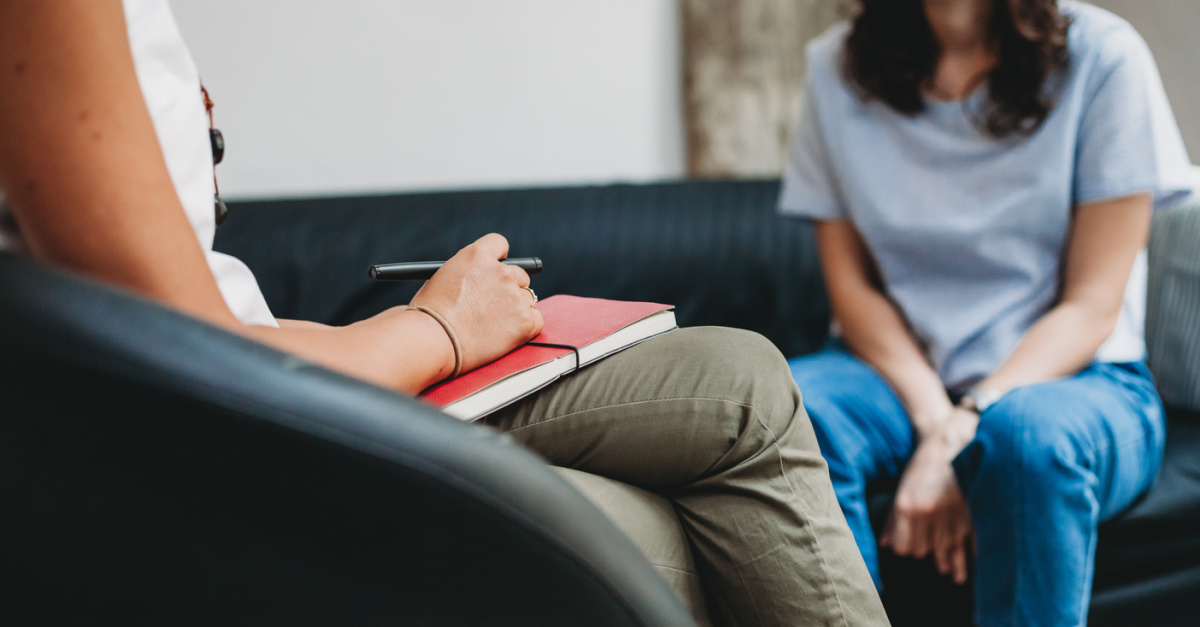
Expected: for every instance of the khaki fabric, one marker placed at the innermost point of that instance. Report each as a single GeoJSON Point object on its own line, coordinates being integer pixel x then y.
{"type": "Point", "coordinates": [711, 419]}
{"type": "Point", "coordinates": [650, 521]}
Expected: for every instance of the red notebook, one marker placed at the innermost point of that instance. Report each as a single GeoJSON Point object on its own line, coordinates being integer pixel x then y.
{"type": "Point", "coordinates": [595, 326]}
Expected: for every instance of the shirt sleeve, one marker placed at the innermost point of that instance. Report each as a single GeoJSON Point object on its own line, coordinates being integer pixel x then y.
{"type": "Point", "coordinates": [1129, 141]}
{"type": "Point", "coordinates": [810, 188]}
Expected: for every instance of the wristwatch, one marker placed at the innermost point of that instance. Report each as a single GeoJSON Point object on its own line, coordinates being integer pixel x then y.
{"type": "Point", "coordinates": [979, 400]}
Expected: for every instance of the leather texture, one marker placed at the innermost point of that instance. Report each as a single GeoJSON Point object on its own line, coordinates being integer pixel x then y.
{"type": "Point", "coordinates": [156, 469]}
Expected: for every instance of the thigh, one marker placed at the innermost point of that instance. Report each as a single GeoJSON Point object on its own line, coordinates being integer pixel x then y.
{"type": "Point", "coordinates": [663, 413]}
{"type": "Point", "coordinates": [857, 416]}
{"type": "Point", "coordinates": [653, 525]}
{"type": "Point", "coordinates": [1107, 421]}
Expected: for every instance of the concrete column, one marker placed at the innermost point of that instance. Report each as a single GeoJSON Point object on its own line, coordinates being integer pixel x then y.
{"type": "Point", "coordinates": [743, 80]}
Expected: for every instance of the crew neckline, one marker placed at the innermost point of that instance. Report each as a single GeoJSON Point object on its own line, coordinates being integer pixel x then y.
{"type": "Point", "coordinates": [970, 100]}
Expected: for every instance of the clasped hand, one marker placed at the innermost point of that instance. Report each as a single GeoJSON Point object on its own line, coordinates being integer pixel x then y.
{"type": "Point", "coordinates": [484, 301]}
{"type": "Point", "coordinates": [930, 514]}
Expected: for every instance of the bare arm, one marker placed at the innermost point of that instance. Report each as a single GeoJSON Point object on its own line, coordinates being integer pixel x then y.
{"type": "Point", "coordinates": [1105, 240]}
{"type": "Point", "coordinates": [874, 329]}
{"type": "Point", "coordinates": [84, 175]}
{"type": "Point", "coordinates": [930, 514]}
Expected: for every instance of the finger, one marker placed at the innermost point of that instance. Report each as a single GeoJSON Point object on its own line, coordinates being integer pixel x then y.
{"type": "Point", "coordinates": [517, 275]}
{"type": "Point", "coordinates": [950, 538]}
{"type": "Point", "coordinates": [538, 323]}
{"type": "Point", "coordinates": [526, 297]}
{"type": "Point", "coordinates": [943, 549]}
{"type": "Point", "coordinates": [902, 536]}
{"type": "Point", "coordinates": [494, 245]}
{"type": "Point", "coordinates": [918, 542]}
{"type": "Point", "coordinates": [885, 538]}
{"type": "Point", "coordinates": [958, 561]}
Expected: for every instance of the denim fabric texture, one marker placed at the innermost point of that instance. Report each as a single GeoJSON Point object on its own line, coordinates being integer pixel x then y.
{"type": "Point", "coordinates": [1049, 463]}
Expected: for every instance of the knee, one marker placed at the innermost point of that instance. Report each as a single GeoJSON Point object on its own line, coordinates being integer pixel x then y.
{"type": "Point", "coordinates": [748, 374]}
{"type": "Point", "coordinates": [738, 348]}
{"type": "Point", "coordinates": [748, 365]}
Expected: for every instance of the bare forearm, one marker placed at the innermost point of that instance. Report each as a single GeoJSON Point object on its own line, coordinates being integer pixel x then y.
{"type": "Point", "coordinates": [1062, 343]}
{"type": "Point", "coordinates": [403, 350]}
{"type": "Point", "coordinates": [874, 329]}
{"type": "Point", "coordinates": [1105, 240]}
{"type": "Point", "coordinates": [877, 334]}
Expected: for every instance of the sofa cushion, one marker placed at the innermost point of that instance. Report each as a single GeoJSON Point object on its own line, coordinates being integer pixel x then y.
{"type": "Point", "coordinates": [1148, 559]}
{"type": "Point", "coordinates": [1173, 309]}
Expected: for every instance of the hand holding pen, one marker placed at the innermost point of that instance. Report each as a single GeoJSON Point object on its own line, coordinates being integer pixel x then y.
{"type": "Point", "coordinates": [483, 304]}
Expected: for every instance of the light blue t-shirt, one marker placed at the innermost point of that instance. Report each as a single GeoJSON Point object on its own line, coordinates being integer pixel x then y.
{"type": "Point", "coordinates": [969, 232]}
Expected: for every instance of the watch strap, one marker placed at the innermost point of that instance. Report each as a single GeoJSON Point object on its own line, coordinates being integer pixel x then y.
{"type": "Point", "coordinates": [980, 400]}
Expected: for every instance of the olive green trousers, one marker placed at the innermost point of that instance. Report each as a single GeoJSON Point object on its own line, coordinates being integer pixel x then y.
{"type": "Point", "coordinates": [711, 420]}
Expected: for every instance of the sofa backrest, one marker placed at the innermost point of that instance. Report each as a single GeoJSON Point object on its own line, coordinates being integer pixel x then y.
{"type": "Point", "coordinates": [1173, 308]}
{"type": "Point", "coordinates": [717, 250]}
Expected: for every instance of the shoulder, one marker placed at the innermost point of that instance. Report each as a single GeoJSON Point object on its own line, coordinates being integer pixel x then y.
{"type": "Point", "coordinates": [1101, 41]}
{"type": "Point", "coordinates": [824, 54]}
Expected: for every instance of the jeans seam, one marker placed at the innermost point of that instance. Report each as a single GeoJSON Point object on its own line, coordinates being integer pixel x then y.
{"type": "Point", "coordinates": [1019, 541]}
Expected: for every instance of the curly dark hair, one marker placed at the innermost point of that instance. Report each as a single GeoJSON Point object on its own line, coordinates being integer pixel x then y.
{"type": "Point", "coordinates": [891, 53]}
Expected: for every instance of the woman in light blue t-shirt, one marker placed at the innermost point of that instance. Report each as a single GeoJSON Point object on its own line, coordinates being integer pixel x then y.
{"type": "Point", "coordinates": [982, 175]}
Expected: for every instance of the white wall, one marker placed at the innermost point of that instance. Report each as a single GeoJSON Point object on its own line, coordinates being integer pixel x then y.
{"type": "Point", "coordinates": [320, 97]}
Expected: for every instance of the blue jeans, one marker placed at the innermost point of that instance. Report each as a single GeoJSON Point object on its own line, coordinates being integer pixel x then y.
{"type": "Point", "coordinates": [1049, 463]}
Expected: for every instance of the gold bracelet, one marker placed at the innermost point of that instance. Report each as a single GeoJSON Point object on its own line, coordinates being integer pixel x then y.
{"type": "Point", "coordinates": [449, 333]}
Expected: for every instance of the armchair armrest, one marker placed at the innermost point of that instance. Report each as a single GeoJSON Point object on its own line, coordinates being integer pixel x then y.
{"type": "Point", "coordinates": [154, 467]}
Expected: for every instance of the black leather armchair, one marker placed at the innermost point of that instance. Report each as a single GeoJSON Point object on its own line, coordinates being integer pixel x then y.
{"type": "Point", "coordinates": [156, 469]}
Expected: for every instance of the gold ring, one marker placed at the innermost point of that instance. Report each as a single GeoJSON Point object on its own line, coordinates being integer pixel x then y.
{"type": "Point", "coordinates": [533, 294]}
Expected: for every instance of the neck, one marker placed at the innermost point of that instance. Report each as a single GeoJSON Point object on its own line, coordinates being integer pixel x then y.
{"type": "Point", "coordinates": [960, 26]}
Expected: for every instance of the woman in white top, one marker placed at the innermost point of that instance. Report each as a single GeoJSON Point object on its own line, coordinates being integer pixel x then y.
{"type": "Point", "coordinates": [106, 164]}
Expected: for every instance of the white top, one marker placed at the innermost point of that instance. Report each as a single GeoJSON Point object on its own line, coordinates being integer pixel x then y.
{"type": "Point", "coordinates": [171, 87]}
{"type": "Point", "coordinates": [969, 232]}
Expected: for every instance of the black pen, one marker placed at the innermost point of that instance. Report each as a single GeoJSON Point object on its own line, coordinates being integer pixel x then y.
{"type": "Point", "coordinates": [422, 270]}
